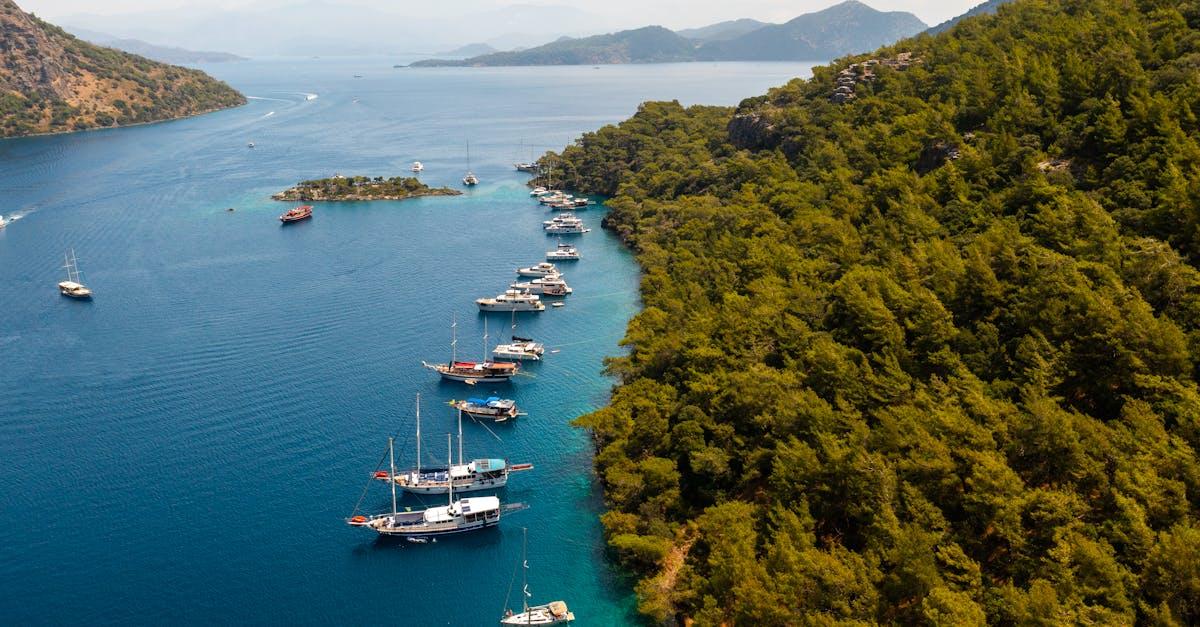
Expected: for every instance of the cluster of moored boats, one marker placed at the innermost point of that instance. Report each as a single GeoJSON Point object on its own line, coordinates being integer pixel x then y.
{"type": "Point", "coordinates": [500, 364]}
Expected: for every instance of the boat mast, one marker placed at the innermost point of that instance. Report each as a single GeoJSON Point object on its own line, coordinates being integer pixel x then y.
{"type": "Point", "coordinates": [460, 455]}
{"type": "Point", "coordinates": [392, 462]}
{"type": "Point", "coordinates": [525, 574]}
{"type": "Point", "coordinates": [417, 479]}
{"type": "Point", "coordinates": [453, 339]}
{"type": "Point", "coordinates": [485, 339]}
{"type": "Point", "coordinates": [449, 464]}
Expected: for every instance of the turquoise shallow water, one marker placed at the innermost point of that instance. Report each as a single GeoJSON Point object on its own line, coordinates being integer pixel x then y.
{"type": "Point", "coordinates": [185, 447]}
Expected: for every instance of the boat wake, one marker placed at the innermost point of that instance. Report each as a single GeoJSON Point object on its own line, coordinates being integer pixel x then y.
{"type": "Point", "coordinates": [269, 114]}
{"type": "Point", "coordinates": [310, 96]}
{"type": "Point", "coordinates": [265, 98]}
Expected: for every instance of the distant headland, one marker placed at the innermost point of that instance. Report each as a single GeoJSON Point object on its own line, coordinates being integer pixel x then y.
{"type": "Point", "coordinates": [346, 188]}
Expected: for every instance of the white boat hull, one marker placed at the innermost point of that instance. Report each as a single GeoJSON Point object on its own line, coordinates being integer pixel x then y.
{"type": "Point", "coordinates": [463, 485]}
{"type": "Point", "coordinates": [510, 307]}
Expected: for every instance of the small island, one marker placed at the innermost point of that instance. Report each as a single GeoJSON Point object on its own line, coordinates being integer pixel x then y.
{"type": "Point", "coordinates": [346, 188]}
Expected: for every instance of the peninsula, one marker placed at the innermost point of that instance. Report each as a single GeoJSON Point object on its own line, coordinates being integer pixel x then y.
{"type": "Point", "coordinates": [347, 188]}
{"type": "Point", "coordinates": [52, 82]}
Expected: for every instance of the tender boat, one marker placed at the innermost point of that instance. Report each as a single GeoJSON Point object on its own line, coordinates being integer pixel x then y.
{"type": "Point", "coordinates": [302, 212]}
{"type": "Point", "coordinates": [551, 613]}
{"type": "Point", "coordinates": [511, 300]}
{"type": "Point", "coordinates": [73, 287]}
{"type": "Point", "coordinates": [552, 285]}
{"type": "Point", "coordinates": [478, 474]}
{"type": "Point", "coordinates": [472, 372]}
{"type": "Point", "coordinates": [541, 269]}
{"type": "Point", "coordinates": [461, 516]}
{"type": "Point", "coordinates": [492, 408]}
{"type": "Point", "coordinates": [417, 166]}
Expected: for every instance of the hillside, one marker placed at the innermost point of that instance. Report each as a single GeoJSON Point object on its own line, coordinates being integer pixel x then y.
{"type": "Point", "coordinates": [926, 357]}
{"type": "Point", "coordinates": [470, 50]}
{"type": "Point", "coordinates": [51, 81]}
{"type": "Point", "coordinates": [722, 31]}
{"type": "Point", "coordinates": [652, 44]}
{"type": "Point", "coordinates": [987, 8]}
{"type": "Point", "coordinates": [846, 28]}
{"type": "Point", "coordinates": [838, 30]}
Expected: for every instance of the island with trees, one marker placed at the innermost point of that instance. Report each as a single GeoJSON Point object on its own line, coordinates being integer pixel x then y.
{"type": "Point", "coordinates": [348, 188]}
{"type": "Point", "coordinates": [927, 355]}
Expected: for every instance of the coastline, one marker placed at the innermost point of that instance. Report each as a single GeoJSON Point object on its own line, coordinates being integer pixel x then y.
{"type": "Point", "coordinates": [243, 103]}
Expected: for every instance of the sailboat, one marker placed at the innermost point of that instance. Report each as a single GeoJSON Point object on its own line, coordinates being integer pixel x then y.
{"type": "Point", "coordinates": [549, 614]}
{"type": "Point", "coordinates": [463, 515]}
{"type": "Point", "coordinates": [530, 166]}
{"type": "Point", "coordinates": [477, 474]}
{"type": "Point", "coordinates": [73, 287]}
{"type": "Point", "coordinates": [472, 372]}
{"type": "Point", "coordinates": [519, 347]}
{"type": "Point", "coordinates": [470, 179]}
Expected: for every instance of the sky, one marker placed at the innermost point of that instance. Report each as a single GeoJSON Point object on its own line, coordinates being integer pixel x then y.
{"type": "Point", "coordinates": [669, 13]}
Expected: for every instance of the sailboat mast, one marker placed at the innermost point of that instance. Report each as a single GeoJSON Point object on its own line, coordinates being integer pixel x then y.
{"type": "Point", "coordinates": [485, 339]}
{"type": "Point", "coordinates": [525, 573]}
{"type": "Point", "coordinates": [449, 463]}
{"type": "Point", "coordinates": [453, 340]}
{"type": "Point", "coordinates": [418, 477]}
{"type": "Point", "coordinates": [392, 462]}
{"type": "Point", "coordinates": [460, 446]}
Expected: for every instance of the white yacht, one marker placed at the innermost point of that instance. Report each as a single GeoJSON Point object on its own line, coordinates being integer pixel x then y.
{"type": "Point", "coordinates": [478, 474]}
{"type": "Point", "coordinates": [552, 285]}
{"type": "Point", "coordinates": [417, 166]}
{"type": "Point", "coordinates": [463, 515]}
{"type": "Point", "coordinates": [512, 300]}
{"type": "Point", "coordinates": [2, 222]}
{"type": "Point", "coordinates": [564, 252]}
{"type": "Point", "coordinates": [551, 613]}
{"type": "Point", "coordinates": [567, 229]}
{"type": "Point", "coordinates": [520, 347]}
{"type": "Point", "coordinates": [73, 287]}
{"type": "Point", "coordinates": [541, 269]}
{"type": "Point", "coordinates": [538, 191]}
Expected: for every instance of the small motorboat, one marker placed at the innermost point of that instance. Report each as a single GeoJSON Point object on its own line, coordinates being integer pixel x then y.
{"type": "Point", "coordinates": [417, 166]}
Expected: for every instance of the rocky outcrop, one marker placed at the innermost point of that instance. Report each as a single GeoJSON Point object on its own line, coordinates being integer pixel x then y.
{"type": "Point", "coordinates": [752, 130]}
{"type": "Point", "coordinates": [852, 76]}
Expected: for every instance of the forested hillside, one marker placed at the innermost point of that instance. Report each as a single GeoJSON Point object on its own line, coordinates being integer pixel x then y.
{"type": "Point", "coordinates": [928, 356]}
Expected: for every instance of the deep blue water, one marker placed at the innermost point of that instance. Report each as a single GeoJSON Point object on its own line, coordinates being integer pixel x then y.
{"type": "Point", "coordinates": [186, 447]}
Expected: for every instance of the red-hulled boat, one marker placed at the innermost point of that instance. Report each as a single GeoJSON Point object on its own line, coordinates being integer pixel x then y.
{"type": "Point", "coordinates": [303, 212]}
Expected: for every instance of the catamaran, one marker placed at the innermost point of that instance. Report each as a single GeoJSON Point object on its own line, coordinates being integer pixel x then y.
{"type": "Point", "coordinates": [512, 300]}
{"type": "Point", "coordinates": [519, 347]}
{"type": "Point", "coordinates": [73, 287]}
{"type": "Point", "coordinates": [472, 476]}
{"type": "Point", "coordinates": [564, 252]}
{"type": "Point", "coordinates": [549, 614]}
{"type": "Point", "coordinates": [472, 372]}
{"type": "Point", "coordinates": [463, 515]}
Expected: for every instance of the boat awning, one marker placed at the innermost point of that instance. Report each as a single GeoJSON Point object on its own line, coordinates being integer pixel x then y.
{"type": "Point", "coordinates": [488, 465]}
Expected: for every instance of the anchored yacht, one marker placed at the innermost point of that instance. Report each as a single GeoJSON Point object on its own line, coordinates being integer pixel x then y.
{"type": "Point", "coordinates": [512, 300]}
{"type": "Point", "coordinates": [541, 269]}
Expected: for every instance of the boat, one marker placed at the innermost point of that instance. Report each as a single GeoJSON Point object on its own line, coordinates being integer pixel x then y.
{"type": "Point", "coordinates": [417, 166]}
{"type": "Point", "coordinates": [470, 179]}
{"type": "Point", "coordinates": [531, 168]}
{"type": "Point", "coordinates": [562, 219]}
{"type": "Point", "coordinates": [552, 285]}
{"type": "Point", "coordinates": [2, 222]}
{"type": "Point", "coordinates": [557, 305]}
{"type": "Point", "coordinates": [461, 516]}
{"type": "Point", "coordinates": [472, 372]}
{"type": "Point", "coordinates": [492, 408]}
{"type": "Point", "coordinates": [541, 269]}
{"type": "Point", "coordinates": [511, 300]}
{"type": "Point", "coordinates": [302, 212]}
{"type": "Point", "coordinates": [581, 203]}
{"type": "Point", "coordinates": [250, 145]}
{"type": "Point", "coordinates": [538, 191]}
{"type": "Point", "coordinates": [472, 476]}
{"type": "Point", "coordinates": [73, 287]}
{"type": "Point", "coordinates": [520, 348]}
{"type": "Point", "coordinates": [567, 229]}
{"type": "Point", "coordinates": [551, 613]}
{"type": "Point", "coordinates": [564, 252]}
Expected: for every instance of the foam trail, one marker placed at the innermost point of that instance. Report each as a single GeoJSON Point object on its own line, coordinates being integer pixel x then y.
{"type": "Point", "coordinates": [269, 114]}
{"type": "Point", "coordinates": [263, 98]}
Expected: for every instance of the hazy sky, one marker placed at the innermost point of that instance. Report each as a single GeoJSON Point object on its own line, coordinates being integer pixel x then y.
{"type": "Point", "coordinates": [670, 13]}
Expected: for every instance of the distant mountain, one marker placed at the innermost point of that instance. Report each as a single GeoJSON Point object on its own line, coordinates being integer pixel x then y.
{"type": "Point", "coordinates": [165, 54]}
{"type": "Point", "coordinates": [839, 30]}
{"type": "Point", "coordinates": [987, 8]}
{"type": "Point", "coordinates": [652, 44]}
{"type": "Point", "coordinates": [722, 30]}
{"type": "Point", "coordinates": [470, 50]}
{"type": "Point", "coordinates": [50, 81]}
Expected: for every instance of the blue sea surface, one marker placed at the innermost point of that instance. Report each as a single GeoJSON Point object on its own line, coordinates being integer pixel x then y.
{"type": "Point", "coordinates": [186, 447]}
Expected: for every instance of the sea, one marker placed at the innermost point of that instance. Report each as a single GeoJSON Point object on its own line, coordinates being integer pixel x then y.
{"type": "Point", "coordinates": [187, 446]}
